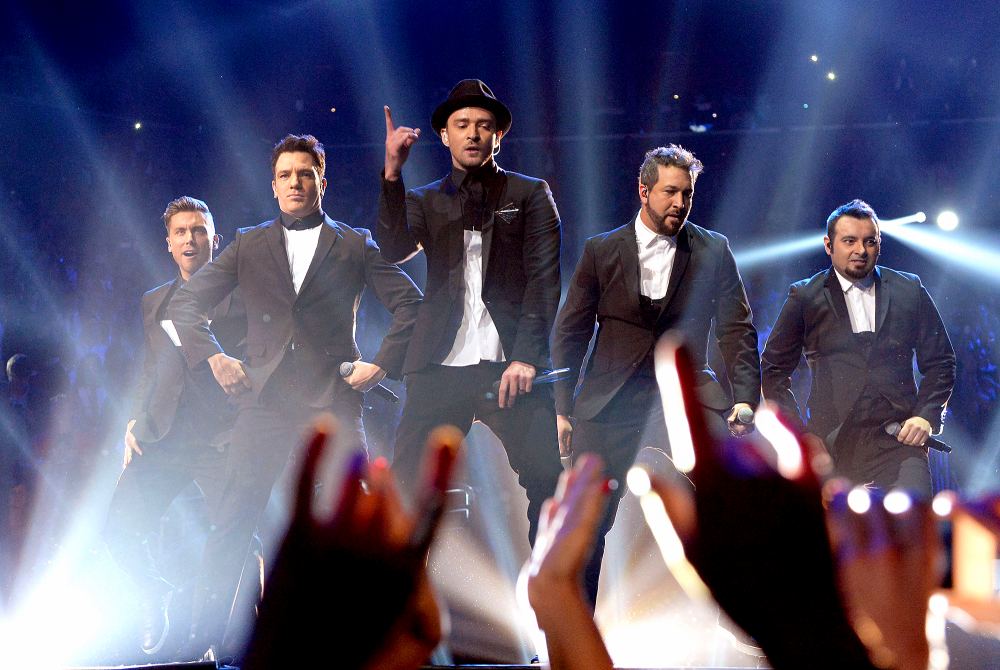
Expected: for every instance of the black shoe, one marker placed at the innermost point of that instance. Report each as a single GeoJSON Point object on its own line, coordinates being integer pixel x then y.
{"type": "Point", "coordinates": [155, 620]}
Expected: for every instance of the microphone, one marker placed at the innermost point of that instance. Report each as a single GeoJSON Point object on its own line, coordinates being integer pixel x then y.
{"type": "Point", "coordinates": [744, 416]}
{"type": "Point", "coordinates": [893, 428]}
{"type": "Point", "coordinates": [347, 369]}
{"type": "Point", "coordinates": [548, 377]}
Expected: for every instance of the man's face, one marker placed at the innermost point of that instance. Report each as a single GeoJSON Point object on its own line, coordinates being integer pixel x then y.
{"type": "Point", "coordinates": [666, 205]}
{"type": "Point", "coordinates": [471, 136]}
{"type": "Point", "coordinates": [854, 247]}
{"type": "Point", "coordinates": [297, 184]}
{"type": "Point", "coordinates": [191, 239]}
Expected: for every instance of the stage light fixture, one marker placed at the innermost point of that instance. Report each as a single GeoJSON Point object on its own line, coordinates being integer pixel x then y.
{"type": "Point", "coordinates": [137, 125]}
{"type": "Point", "coordinates": [814, 58]}
{"type": "Point", "coordinates": [947, 220]}
{"type": "Point", "coordinates": [831, 75]}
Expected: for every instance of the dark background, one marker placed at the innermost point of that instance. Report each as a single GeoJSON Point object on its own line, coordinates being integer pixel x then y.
{"type": "Point", "coordinates": [910, 123]}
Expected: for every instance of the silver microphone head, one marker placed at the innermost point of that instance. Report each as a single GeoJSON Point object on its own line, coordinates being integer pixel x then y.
{"type": "Point", "coordinates": [744, 416]}
{"type": "Point", "coordinates": [346, 369]}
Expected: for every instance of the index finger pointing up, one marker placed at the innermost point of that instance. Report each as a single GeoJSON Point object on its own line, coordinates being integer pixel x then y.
{"type": "Point", "coordinates": [389, 127]}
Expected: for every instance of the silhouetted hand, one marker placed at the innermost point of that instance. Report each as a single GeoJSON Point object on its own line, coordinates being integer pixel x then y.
{"type": "Point", "coordinates": [758, 538]}
{"type": "Point", "coordinates": [887, 552]}
{"type": "Point", "coordinates": [554, 573]}
{"type": "Point", "coordinates": [354, 585]}
{"type": "Point", "coordinates": [976, 531]}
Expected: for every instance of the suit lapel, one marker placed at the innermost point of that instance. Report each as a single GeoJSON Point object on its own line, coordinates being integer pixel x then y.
{"type": "Point", "coordinates": [454, 233]}
{"type": "Point", "coordinates": [882, 296]}
{"type": "Point", "coordinates": [161, 297]}
{"type": "Point", "coordinates": [496, 187]}
{"type": "Point", "coordinates": [327, 237]}
{"type": "Point", "coordinates": [682, 254]}
{"type": "Point", "coordinates": [276, 244]}
{"type": "Point", "coordinates": [628, 258]}
{"type": "Point", "coordinates": [835, 298]}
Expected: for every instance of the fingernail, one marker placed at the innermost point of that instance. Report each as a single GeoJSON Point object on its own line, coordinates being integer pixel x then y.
{"type": "Point", "coordinates": [381, 463]}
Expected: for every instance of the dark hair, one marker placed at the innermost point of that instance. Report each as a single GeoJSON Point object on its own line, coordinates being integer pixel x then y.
{"type": "Point", "coordinates": [856, 209]}
{"type": "Point", "coordinates": [185, 203]}
{"type": "Point", "coordinates": [672, 154]}
{"type": "Point", "coordinates": [305, 143]}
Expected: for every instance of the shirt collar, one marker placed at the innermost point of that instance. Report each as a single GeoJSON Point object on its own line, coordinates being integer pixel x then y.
{"type": "Point", "coordinates": [647, 237]}
{"type": "Point", "coordinates": [484, 173]}
{"type": "Point", "coordinates": [862, 284]}
{"type": "Point", "coordinates": [314, 219]}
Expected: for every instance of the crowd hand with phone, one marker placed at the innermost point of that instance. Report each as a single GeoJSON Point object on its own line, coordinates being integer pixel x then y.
{"type": "Point", "coordinates": [356, 582]}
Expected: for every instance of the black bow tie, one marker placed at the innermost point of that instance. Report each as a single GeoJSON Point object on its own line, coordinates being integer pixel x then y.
{"type": "Point", "coordinates": [305, 223]}
{"type": "Point", "coordinates": [302, 224]}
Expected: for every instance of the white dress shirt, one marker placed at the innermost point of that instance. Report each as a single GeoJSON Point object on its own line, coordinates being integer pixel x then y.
{"type": "Point", "coordinates": [860, 297]}
{"type": "Point", "coordinates": [656, 259]}
{"type": "Point", "coordinates": [300, 247]}
{"type": "Point", "coordinates": [477, 338]}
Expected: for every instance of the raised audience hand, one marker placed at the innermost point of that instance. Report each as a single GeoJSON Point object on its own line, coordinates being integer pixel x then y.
{"type": "Point", "coordinates": [975, 535]}
{"type": "Point", "coordinates": [554, 573]}
{"type": "Point", "coordinates": [757, 537]}
{"type": "Point", "coordinates": [353, 586]}
{"type": "Point", "coordinates": [888, 554]}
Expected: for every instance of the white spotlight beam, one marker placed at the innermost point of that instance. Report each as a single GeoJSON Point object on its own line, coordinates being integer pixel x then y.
{"type": "Point", "coordinates": [979, 257]}
{"type": "Point", "coordinates": [769, 252]}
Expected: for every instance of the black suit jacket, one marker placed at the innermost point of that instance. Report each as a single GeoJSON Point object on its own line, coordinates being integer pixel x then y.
{"type": "Point", "coordinates": [704, 286]}
{"type": "Point", "coordinates": [814, 321]}
{"type": "Point", "coordinates": [165, 376]}
{"type": "Point", "coordinates": [319, 321]}
{"type": "Point", "coordinates": [521, 280]}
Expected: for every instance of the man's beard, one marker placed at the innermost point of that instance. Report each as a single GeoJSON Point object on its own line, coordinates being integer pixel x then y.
{"type": "Point", "coordinates": [665, 226]}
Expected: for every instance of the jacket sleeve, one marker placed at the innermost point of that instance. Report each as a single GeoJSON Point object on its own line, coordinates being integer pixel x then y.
{"type": "Point", "coordinates": [543, 283]}
{"type": "Point", "coordinates": [936, 363]}
{"type": "Point", "coordinates": [575, 327]}
{"type": "Point", "coordinates": [397, 292]}
{"type": "Point", "coordinates": [781, 356]}
{"type": "Point", "coordinates": [735, 332]}
{"type": "Point", "coordinates": [400, 223]}
{"type": "Point", "coordinates": [191, 304]}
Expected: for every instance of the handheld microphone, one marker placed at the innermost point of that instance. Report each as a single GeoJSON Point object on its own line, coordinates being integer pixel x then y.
{"type": "Point", "coordinates": [893, 428]}
{"type": "Point", "coordinates": [548, 377]}
{"type": "Point", "coordinates": [347, 369]}
{"type": "Point", "coordinates": [744, 416]}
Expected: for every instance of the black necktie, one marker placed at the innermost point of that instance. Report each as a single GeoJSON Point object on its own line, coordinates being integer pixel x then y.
{"type": "Point", "coordinates": [473, 203]}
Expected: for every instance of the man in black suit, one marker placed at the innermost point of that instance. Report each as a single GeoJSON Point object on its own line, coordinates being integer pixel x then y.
{"type": "Point", "coordinates": [492, 243]}
{"type": "Point", "coordinates": [180, 422]}
{"type": "Point", "coordinates": [301, 276]}
{"type": "Point", "coordinates": [859, 326]}
{"type": "Point", "coordinates": [656, 273]}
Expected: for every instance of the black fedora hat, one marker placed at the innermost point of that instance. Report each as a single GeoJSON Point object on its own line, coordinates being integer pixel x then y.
{"type": "Point", "coordinates": [471, 93]}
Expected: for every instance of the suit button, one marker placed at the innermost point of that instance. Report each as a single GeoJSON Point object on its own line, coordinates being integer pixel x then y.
{"type": "Point", "coordinates": [266, 318]}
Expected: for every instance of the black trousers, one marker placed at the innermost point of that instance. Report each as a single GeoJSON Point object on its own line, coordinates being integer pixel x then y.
{"type": "Point", "coordinates": [265, 439]}
{"type": "Point", "coordinates": [633, 419]}
{"type": "Point", "coordinates": [866, 454]}
{"type": "Point", "coordinates": [441, 394]}
{"type": "Point", "coordinates": [145, 490]}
